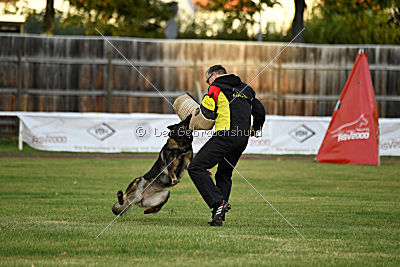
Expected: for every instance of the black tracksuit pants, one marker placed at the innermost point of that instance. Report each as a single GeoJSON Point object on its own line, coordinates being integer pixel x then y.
{"type": "Point", "coordinates": [218, 150]}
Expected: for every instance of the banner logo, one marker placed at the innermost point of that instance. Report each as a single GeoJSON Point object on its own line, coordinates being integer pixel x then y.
{"type": "Point", "coordinates": [355, 130]}
{"type": "Point", "coordinates": [49, 139]}
{"type": "Point", "coordinates": [101, 131]}
{"type": "Point", "coordinates": [142, 131]}
{"type": "Point", "coordinates": [301, 133]}
{"type": "Point", "coordinates": [390, 144]}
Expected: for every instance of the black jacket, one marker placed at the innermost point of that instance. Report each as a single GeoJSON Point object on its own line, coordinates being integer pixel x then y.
{"type": "Point", "coordinates": [235, 103]}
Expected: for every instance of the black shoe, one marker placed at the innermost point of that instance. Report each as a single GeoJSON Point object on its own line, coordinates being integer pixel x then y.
{"type": "Point", "coordinates": [219, 213]}
{"type": "Point", "coordinates": [216, 224]}
{"type": "Point", "coordinates": [219, 223]}
{"type": "Point", "coordinates": [213, 213]}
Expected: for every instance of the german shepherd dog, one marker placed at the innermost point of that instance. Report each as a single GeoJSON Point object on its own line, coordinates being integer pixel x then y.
{"type": "Point", "coordinates": [149, 191]}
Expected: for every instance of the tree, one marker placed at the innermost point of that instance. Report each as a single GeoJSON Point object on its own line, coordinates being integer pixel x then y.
{"type": "Point", "coordinates": [354, 22]}
{"type": "Point", "coordinates": [238, 18]}
{"type": "Point", "coordinates": [48, 21]}
{"type": "Point", "coordinates": [298, 20]}
{"type": "Point", "coordinates": [140, 18]}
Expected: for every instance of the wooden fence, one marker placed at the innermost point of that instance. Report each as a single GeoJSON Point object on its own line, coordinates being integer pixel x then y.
{"type": "Point", "coordinates": [93, 74]}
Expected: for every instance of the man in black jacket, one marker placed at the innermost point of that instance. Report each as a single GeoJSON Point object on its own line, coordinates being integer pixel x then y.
{"type": "Point", "coordinates": [233, 103]}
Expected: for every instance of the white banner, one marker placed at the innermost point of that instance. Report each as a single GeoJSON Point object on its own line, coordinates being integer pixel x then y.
{"type": "Point", "coordinates": [105, 132]}
{"type": "Point", "coordinates": [96, 132]}
{"type": "Point", "coordinates": [291, 135]}
{"type": "Point", "coordinates": [389, 140]}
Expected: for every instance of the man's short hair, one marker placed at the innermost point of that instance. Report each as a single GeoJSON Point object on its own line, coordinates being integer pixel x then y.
{"type": "Point", "coordinates": [218, 69]}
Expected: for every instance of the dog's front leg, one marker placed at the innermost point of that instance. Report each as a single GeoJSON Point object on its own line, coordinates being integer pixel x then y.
{"type": "Point", "coordinates": [171, 172]}
{"type": "Point", "coordinates": [188, 158]}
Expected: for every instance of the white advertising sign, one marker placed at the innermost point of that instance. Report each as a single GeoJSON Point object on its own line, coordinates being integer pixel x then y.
{"type": "Point", "coordinates": [389, 137]}
{"type": "Point", "coordinates": [105, 132]}
{"type": "Point", "coordinates": [290, 135]}
{"type": "Point", "coordinates": [95, 132]}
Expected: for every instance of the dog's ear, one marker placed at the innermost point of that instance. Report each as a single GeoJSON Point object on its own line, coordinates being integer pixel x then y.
{"type": "Point", "coordinates": [171, 127]}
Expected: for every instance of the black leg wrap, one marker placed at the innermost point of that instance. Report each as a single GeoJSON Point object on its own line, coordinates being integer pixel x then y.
{"type": "Point", "coordinates": [120, 196]}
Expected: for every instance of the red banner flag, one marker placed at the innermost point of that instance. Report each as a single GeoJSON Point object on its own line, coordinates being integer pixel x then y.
{"type": "Point", "coordinates": [353, 133]}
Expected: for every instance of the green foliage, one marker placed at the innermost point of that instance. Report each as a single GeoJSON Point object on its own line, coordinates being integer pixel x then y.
{"type": "Point", "coordinates": [136, 18]}
{"type": "Point", "coordinates": [332, 21]}
{"type": "Point", "coordinates": [63, 26]}
{"type": "Point", "coordinates": [34, 23]}
{"type": "Point", "coordinates": [236, 23]}
{"type": "Point", "coordinates": [354, 22]}
{"type": "Point", "coordinates": [139, 18]}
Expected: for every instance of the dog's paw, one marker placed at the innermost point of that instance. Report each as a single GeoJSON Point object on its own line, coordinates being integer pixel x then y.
{"type": "Point", "coordinates": [120, 196]}
{"type": "Point", "coordinates": [115, 209]}
{"type": "Point", "coordinates": [152, 210]}
{"type": "Point", "coordinates": [174, 181]}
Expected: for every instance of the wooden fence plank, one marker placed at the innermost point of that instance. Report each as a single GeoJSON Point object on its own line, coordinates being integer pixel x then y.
{"type": "Point", "coordinates": [70, 73]}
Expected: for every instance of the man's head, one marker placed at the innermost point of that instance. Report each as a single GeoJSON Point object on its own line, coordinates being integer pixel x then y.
{"type": "Point", "coordinates": [213, 72]}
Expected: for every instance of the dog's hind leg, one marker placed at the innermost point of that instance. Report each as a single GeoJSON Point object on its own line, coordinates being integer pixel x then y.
{"type": "Point", "coordinates": [120, 196]}
{"type": "Point", "coordinates": [132, 196]}
{"type": "Point", "coordinates": [156, 202]}
{"type": "Point", "coordinates": [132, 188]}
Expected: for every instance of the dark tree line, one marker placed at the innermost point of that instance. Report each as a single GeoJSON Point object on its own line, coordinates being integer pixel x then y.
{"type": "Point", "coordinates": [332, 21]}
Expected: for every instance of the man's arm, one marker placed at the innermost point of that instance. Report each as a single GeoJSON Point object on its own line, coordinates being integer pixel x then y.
{"type": "Point", "coordinates": [208, 105]}
{"type": "Point", "coordinates": [214, 92]}
{"type": "Point", "coordinates": [258, 113]}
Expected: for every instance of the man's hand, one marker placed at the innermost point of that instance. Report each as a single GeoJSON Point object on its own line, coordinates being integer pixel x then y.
{"type": "Point", "coordinates": [254, 133]}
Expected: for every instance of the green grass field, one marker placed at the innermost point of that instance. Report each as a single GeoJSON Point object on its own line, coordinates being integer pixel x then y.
{"type": "Point", "coordinates": [52, 209]}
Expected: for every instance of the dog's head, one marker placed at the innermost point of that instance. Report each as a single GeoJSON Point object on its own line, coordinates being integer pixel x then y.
{"type": "Point", "coordinates": [181, 132]}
